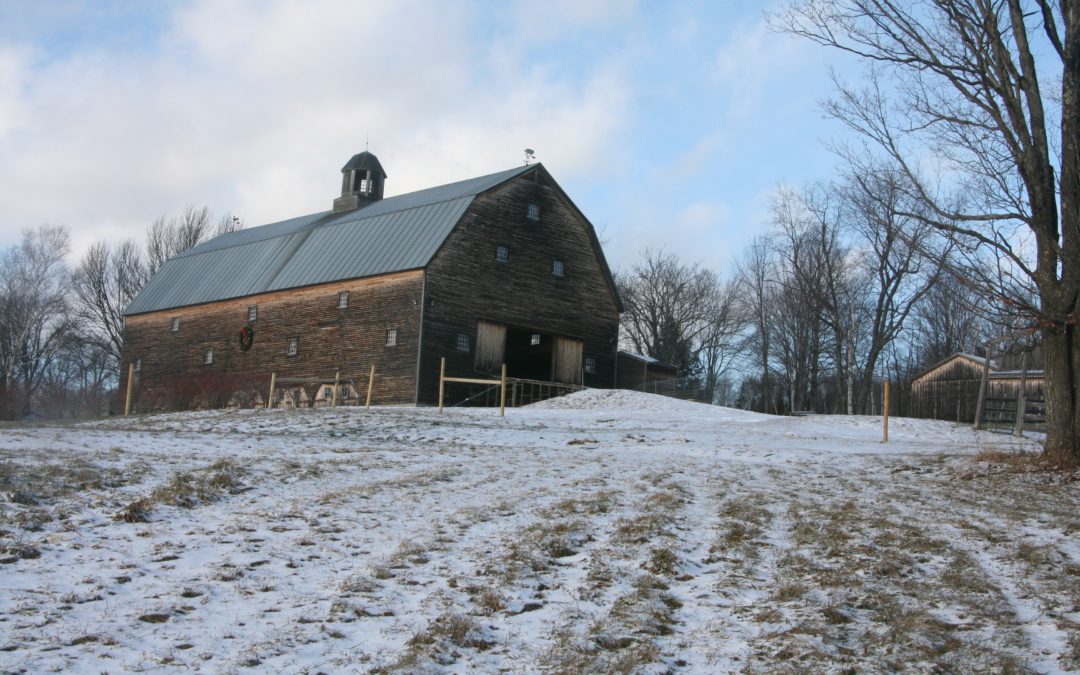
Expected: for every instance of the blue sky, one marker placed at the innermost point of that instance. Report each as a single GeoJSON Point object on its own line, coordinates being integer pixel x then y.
{"type": "Point", "coordinates": [669, 124]}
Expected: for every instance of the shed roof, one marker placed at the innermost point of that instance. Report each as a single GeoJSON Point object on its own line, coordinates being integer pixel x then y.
{"type": "Point", "coordinates": [389, 235]}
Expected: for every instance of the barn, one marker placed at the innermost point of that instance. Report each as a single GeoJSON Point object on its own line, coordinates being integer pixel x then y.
{"type": "Point", "coordinates": [501, 268]}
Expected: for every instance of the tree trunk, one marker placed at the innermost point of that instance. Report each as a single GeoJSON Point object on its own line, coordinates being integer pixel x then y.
{"type": "Point", "coordinates": [1062, 374]}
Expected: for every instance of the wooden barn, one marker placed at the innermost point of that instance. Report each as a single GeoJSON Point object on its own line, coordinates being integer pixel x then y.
{"type": "Point", "coordinates": [644, 373]}
{"type": "Point", "coordinates": [949, 389]}
{"type": "Point", "coordinates": [502, 268]}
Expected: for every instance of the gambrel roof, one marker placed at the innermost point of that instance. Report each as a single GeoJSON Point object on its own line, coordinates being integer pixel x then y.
{"type": "Point", "coordinates": [389, 235]}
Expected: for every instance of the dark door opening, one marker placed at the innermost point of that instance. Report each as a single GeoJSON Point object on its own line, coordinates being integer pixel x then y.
{"type": "Point", "coordinates": [528, 354]}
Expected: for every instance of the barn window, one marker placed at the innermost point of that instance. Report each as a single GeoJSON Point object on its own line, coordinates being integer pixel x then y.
{"type": "Point", "coordinates": [343, 299]}
{"type": "Point", "coordinates": [391, 337]}
{"type": "Point", "coordinates": [253, 312]}
{"type": "Point", "coordinates": [208, 357]}
{"type": "Point", "coordinates": [534, 339]}
{"type": "Point", "coordinates": [138, 365]}
{"type": "Point", "coordinates": [294, 347]}
{"type": "Point", "coordinates": [533, 212]}
{"type": "Point", "coordinates": [557, 267]}
{"type": "Point", "coordinates": [590, 364]}
{"type": "Point", "coordinates": [502, 254]}
{"type": "Point", "coordinates": [176, 324]}
{"type": "Point", "coordinates": [462, 344]}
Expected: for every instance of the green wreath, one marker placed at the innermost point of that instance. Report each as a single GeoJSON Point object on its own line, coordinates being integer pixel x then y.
{"type": "Point", "coordinates": [247, 337]}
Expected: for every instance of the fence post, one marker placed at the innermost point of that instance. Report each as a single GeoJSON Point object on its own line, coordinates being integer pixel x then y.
{"type": "Point", "coordinates": [337, 381]}
{"type": "Point", "coordinates": [1021, 398]}
{"type": "Point", "coordinates": [502, 392]}
{"type": "Point", "coordinates": [885, 410]}
{"type": "Point", "coordinates": [982, 390]}
{"type": "Point", "coordinates": [131, 379]}
{"type": "Point", "coordinates": [370, 385]}
{"type": "Point", "coordinates": [270, 399]}
{"type": "Point", "coordinates": [442, 383]}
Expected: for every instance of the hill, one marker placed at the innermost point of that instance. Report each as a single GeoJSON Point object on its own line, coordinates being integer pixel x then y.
{"type": "Point", "coordinates": [604, 531]}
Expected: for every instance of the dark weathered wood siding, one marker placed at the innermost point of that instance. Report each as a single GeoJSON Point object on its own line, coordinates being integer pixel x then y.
{"type": "Point", "coordinates": [636, 374]}
{"type": "Point", "coordinates": [351, 340]}
{"type": "Point", "coordinates": [465, 282]}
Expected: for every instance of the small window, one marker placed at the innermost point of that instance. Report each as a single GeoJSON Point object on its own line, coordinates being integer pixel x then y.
{"type": "Point", "coordinates": [343, 299]}
{"type": "Point", "coordinates": [138, 365]}
{"type": "Point", "coordinates": [294, 347]}
{"type": "Point", "coordinates": [557, 267]}
{"type": "Point", "coordinates": [462, 344]}
{"type": "Point", "coordinates": [328, 391]}
{"type": "Point", "coordinates": [176, 324]}
{"type": "Point", "coordinates": [534, 339]}
{"type": "Point", "coordinates": [533, 212]}
{"type": "Point", "coordinates": [590, 365]}
{"type": "Point", "coordinates": [502, 254]}
{"type": "Point", "coordinates": [391, 337]}
{"type": "Point", "coordinates": [253, 312]}
{"type": "Point", "coordinates": [208, 357]}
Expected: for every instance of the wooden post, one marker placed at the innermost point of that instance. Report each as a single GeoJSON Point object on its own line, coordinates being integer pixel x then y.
{"type": "Point", "coordinates": [1021, 398]}
{"type": "Point", "coordinates": [885, 417]}
{"type": "Point", "coordinates": [337, 381]}
{"type": "Point", "coordinates": [131, 381]}
{"type": "Point", "coordinates": [502, 392]}
{"type": "Point", "coordinates": [270, 399]}
{"type": "Point", "coordinates": [982, 390]}
{"type": "Point", "coordinates": [442, 383]}
{"type": "Point", "coordinates": [370, 386]}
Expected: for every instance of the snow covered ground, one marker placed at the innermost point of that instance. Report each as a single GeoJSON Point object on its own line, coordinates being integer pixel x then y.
{"type": "Point", "coordinates": [601, 532]}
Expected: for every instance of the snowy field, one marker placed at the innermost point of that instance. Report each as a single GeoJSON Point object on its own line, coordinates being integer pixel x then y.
{"type": "Point", "coordinates": [602, 532]}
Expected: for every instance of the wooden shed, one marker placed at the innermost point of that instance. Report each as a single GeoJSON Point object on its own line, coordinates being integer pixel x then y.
{"type": "Point", "coordinates": [949, 389]}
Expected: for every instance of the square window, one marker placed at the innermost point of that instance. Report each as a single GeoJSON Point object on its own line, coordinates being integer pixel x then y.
{"type": "Point", "coordinates": [462, 344]}
{"type": "Point", "coordinates": [391, 337]}
{"type": "Point", "coordinates": [557, 267]}
{"type": "Point", "coordinates": [343, 299]}
{"type": "Point", "coordinates": [294, 347]}
{"type": "Point", "coordinates": [502, 254]}
{"type": "Point", "coordinates": [590, 365]}
{"type": "Point", "coordinates": [534, 339]}
{"type": "Point", "coordinates": [533, 212]}
{"type": "Point", "coordinates": [253, 312]}
{"type": "Point", "coordinates": [176, 324]}
{"type": "Point", "coordinates": [208, 357]}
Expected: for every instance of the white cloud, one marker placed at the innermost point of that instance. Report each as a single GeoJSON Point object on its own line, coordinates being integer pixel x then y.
{"type": "Point", "coordinates": [253, 107]}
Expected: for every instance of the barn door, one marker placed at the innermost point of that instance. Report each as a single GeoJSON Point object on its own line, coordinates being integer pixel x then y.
{"type": "Point", "coordinates": [566, 360]}
{"type": "Point", "coordinates": [490, 346]}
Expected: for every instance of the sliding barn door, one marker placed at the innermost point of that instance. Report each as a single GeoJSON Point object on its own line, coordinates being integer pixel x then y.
{"type": "Point", "coordinates": [566, 360]}
{"type": "Point", "coordinates": [490, 346]}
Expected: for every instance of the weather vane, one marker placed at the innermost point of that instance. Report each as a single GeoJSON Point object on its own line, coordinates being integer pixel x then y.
{"type": "Point", "coordinates": [529, 156]}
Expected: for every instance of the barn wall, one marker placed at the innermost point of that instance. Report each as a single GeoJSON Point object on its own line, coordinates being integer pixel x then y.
{"type": "Point", "coordinates": [350, 340]}
{"type": "Point", "coordinates": [465, 282]}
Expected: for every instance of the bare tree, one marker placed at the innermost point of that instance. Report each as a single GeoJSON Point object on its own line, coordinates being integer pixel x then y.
{"type": "Point", "coordinates": [34, 282]}
{"type": "Point", "coordinates": [969, 90]}
{"type": "Point", "coordinates": [105, 282]}
{"type": "Point", "coordinates": [894, 237]}
{"type": "Point", "coordinates": [755, 274]}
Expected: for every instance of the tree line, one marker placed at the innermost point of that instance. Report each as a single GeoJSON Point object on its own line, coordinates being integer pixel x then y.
{"type": "Point", "coordinates": [957, 215]}
{"type": "Point", "coordinates": [62, 326]}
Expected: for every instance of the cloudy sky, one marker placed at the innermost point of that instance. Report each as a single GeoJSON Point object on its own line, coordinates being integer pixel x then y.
{"type": "Point", "coordinates": [669, 124]}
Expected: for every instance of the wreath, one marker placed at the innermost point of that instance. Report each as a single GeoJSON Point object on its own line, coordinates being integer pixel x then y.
{"type": "Point", "coordinates": [247, 337]}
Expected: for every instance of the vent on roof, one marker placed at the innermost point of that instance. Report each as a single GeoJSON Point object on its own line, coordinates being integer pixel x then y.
{"type": "Point", "coordinates": [362, 180]}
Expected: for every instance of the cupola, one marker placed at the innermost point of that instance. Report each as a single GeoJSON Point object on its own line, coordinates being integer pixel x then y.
{"type": "Point", "coordinates": [362, 180]}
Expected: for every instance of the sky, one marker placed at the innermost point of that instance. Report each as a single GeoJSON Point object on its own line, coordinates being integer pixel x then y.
{"type": "Point", "coordinates": [670, 125]}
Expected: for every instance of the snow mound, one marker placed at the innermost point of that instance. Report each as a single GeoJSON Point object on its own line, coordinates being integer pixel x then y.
{"type": "Point", "coordinates": [626, 399]}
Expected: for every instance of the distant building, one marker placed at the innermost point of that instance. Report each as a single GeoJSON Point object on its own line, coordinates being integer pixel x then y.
{"type": "Point", "coordinates": [949, 389]}
{"type": "Point", "coordinates": [502, 268]}
{"type": "Point", "coordinates": [644, 373]}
